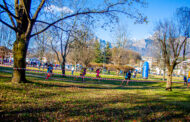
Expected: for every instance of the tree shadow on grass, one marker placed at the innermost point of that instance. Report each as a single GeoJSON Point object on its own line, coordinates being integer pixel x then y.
{"type": "Point", "coordinates": [96, 81]}
{"type": "Point", "coordinates": [114, 84]}
{"type": "Point", "coordinates": [99, 86]}
{"type": "Point", "coordinates": [5, 78]}
{"type": "Point", "coordinates": [135, 107]}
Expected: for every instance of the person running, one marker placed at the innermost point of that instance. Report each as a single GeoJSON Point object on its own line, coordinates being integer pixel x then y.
{"type": "Point", "coordinates": [49, 71]}
{"type": "Point", "coordinates": [129, 75]}
{"type": "Point", "coordinates": [125, 79]}
{"type": "Point", "coordinates": [83, 73]}
{"type": "Point", "coordinates": [98, 73]}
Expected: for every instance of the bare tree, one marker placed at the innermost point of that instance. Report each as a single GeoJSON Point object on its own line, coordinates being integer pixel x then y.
{"type": "Point", "coordinates": [157, 53]}
{"type": "Point", "coordinates": [24, 14]}
{"type": "Point", "coordinates": [82, 48]}
{"type": "Point", "coordinates": [87, 53]}
{"type": "Point", "coordinates": [75, 54]}
{"type": "Point", "coordinates": [40, 45]}
{"type": "Point", "coordinates": [118, 51]}
{"type": "Point", "coordinates": [173, 45]}
{"type": "Point", "coordinates": [61, 45]}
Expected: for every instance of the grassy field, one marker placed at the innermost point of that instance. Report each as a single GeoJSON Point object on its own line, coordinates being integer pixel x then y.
{"type": "Point", "coordinates": [42, 100]}
{"type": "Point", "coordinates": [139, 76]}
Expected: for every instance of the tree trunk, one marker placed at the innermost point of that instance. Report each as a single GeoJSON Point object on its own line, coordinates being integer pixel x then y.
{"type": "Point", "coordinates": [164, 75]}
{"type": "Point", "coordinates": [63, 66]}
{"type": "Point", "coordinates": [19, 50]}
{"type": "Point", "coordinates": [2, 62]}
{"type": "Point", "coordinates": [169, 82]}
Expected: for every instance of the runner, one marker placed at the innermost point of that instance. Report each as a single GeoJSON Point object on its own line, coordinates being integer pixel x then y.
{"type": "Point", "coordinates": [83, 73]}
{"type": "Point", "coordinates": [98, 73]}
{"type": "Point", "coordinates": [125, 80]}
{"type": "Point", "coordinates": [49, 71]}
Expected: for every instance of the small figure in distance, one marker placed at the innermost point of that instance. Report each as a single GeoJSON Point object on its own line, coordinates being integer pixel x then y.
{"type": "Point", "coordinates": [109, 72]}
{"type": "Point", "coordinates": [188, 80]}
{"type": "Point", "coordinates": [72, 70]}
{"type": "Point", "coordinates": [98, 73]}
{"type": "Point", "coordinates": [83, 73]}
{"type": "Point", "coordinates": [129, 75]}
{"type": "Point", "coordinates": [134, 74]}
{"type": "Point", "coordinates": [185, 80]}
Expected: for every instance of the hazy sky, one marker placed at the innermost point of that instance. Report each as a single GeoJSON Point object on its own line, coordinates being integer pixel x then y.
{"type": "Point", "coordinates": [156, 10]}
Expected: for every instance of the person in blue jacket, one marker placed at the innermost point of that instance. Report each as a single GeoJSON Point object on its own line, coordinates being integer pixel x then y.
{"type": "Point", "coordinates": [126, 79]}
{"type": "Point", "coordinates": [185, 80]}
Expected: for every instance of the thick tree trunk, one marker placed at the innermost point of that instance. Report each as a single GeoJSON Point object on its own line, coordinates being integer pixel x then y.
{"type": "Point", "coordinates": [19, 50]}
{"type": "Point", "coordinates": [169, 82]}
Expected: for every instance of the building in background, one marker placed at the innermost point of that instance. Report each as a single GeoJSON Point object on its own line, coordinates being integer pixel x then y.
{"type": "Point", "coordinates": [6, 55]}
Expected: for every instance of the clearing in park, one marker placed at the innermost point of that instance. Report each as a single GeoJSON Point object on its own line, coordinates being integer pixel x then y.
{"type": "Point", "coordinates": [92, 100]}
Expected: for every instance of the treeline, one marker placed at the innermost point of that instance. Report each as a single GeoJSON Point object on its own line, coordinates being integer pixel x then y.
{"type": "Point", "coordinates": [86, 52]}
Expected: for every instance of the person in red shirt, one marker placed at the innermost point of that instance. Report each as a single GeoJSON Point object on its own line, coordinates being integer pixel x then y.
{"type": "Point", "coordinates": [98, 73]}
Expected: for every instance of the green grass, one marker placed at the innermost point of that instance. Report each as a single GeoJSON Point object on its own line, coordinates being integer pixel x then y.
{"type": "Point", "coordinates": [50, 100]}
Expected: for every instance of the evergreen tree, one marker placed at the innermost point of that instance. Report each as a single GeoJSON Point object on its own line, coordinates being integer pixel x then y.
{"type": "Point", "coordinates": [98, 52]}
{"type": "Point", "coordinates": [107, 53]}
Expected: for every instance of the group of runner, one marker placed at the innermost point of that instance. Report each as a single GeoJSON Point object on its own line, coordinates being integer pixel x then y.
{"type": "Point", "coordinates": [82, 72]}
{"type": "Point", "coordinates": [126, 79]}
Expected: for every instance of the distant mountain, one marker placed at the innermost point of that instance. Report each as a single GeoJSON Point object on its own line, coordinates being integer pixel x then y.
{"type": "Point", "coordinates": [143, 46]}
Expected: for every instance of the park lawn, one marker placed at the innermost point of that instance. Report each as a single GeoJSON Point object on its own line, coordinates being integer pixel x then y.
{"type": "Point", "coordinates": [139, 76]}
{"type": "Point", "coordinates": [50, 100]}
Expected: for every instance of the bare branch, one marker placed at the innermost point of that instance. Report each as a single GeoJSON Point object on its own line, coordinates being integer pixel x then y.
{"type": "Point", "coordinates": [52, 25]}
{"type": "Point", "coordinates": [16, 7]}
{"type": "Point", "coordinates": [2, 12]}
{"type": "Point", "coordinates": [55, 52]}
{"type": "Point", "coordinates": [38, 10]}
{"type": "Point", "coordinates": [184, 50]}
{"type": "Point", "coordinates": [180, 47]}
{"type": "Point", "coordinates": [86, 13]}
{"type": "Point", "coordinates": [7, 10]}
{"type": "Point", "coordinates": [12, 21]}
{"type": "Point", "coordinates": [8, 25]}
